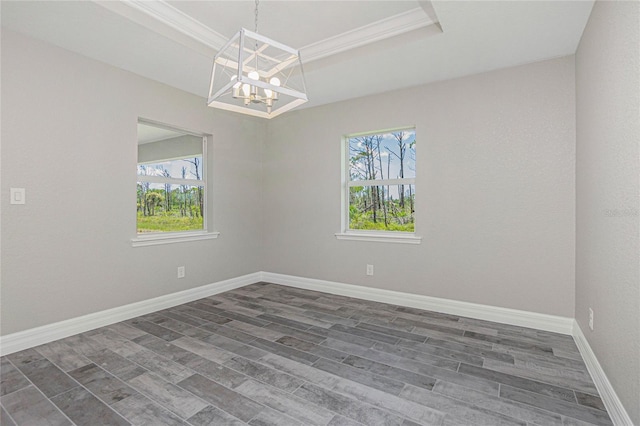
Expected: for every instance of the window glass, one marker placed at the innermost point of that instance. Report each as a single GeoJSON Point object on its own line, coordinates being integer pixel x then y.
{"type": "Point", "coordinates": [381, 170]}
{"type": "Point", "coordinates": [171, 185]}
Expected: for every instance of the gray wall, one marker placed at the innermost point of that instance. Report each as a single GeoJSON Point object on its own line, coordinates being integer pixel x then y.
{"type": "Point", "coordinates": [69, 136]}
{"type": "Point", "coordinates": [607, 179]}
{"type": "Point", "coordinates": [495, 190]}
{"type": "Point", "coordinates": [495, 201]}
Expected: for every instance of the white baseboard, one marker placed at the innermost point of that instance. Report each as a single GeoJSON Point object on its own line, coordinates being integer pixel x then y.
{"type": "Point", "coordinates": [37, 336]}
{"type": "Point", "coordinates": [545, 322]}
{"type": "Point", "coordinates": [612, 403]}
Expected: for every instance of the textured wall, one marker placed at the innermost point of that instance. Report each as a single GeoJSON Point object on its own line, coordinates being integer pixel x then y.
{"type": "Point", "coordinates": [608, 185]}
{"type": "Point", "coordinates": [69, 137]}
{"type": "Point", "coordinates": [495, 190]}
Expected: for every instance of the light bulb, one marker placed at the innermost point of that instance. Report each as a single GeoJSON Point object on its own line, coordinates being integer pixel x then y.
{"type": "Point", "coordinates": [237, 84]}
{"type": "Point", "coordinates": [253, 75]}
{"type": "Point", "coordinates": [274, 81]}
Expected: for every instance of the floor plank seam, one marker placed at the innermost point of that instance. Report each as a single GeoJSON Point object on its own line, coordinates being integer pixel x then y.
{"type": "Point", "coordinates": [366, 354]}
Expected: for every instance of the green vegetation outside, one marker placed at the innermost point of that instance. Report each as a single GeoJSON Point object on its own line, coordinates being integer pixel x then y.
{"type": "Point", "coordinates": [380, 157]}
{"type": "Point", "coordinates": [401, 220]}
{"type": "Point", "coordinates": [168, 223]}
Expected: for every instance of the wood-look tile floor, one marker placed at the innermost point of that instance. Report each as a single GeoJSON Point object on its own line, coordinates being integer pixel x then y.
{"type": "Point", "coordinates": [272, 355]}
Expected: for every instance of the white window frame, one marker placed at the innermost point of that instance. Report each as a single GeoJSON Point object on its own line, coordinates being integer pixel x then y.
{"type": "Point", "coordinates": [346, 183]}
{"type": "Point", "coordinates": [170, 237]}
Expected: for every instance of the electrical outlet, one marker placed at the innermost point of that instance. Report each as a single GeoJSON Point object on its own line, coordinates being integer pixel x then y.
{"type": "Point", "coordinates": [591, 319]}
{"type": "Point", "coordinates": [369, 269]}
{"type": "Point", "coordinates": [181, 272]}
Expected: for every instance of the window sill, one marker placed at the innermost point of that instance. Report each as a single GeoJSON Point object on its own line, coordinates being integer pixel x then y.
{"type": "Point", "coordinates": [174, 237]}
{"type": "Point", "coordinates": [379, 237]}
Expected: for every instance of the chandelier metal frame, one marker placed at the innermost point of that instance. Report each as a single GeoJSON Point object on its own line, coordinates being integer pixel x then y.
{"type": "Point", "coordinates": [255, 75]}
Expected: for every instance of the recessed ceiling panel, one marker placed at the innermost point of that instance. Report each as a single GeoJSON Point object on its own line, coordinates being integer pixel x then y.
{"type": "Point", "coordinates": [295, 23]}
{"type": "Point", "coordinates": [475, 36]}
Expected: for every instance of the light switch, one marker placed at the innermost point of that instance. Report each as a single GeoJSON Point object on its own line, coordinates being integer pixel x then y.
{"type": "Point", "coordinates": [18, 196]}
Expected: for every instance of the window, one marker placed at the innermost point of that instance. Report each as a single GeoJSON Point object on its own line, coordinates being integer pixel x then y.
{"type": "Point", "coordinates": [171, 184]}
{"type": "Point", "coordinates": [379, 186]}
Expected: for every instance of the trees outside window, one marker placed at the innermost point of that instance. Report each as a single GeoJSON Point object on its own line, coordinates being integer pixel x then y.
{"type": "Point", "coordinates": [380, 181]}
{"type": "Point", "coordinates": [171, 183]}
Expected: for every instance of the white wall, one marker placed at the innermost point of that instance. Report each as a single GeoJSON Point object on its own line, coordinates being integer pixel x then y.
{"type": "Point", "coordinates": [495, 190]}
{"type": "Point", "coordinates": [608, 186]}
{"type": "Point", "coordinates": [69, 137]}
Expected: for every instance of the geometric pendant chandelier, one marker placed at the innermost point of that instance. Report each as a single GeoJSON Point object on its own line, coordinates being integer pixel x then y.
{"type": "Point", "coordinates": [255, 75]}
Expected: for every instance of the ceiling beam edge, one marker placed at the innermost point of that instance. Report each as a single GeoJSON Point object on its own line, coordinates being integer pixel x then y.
{"type": "Point", "coordinates": [379, 30]}
{"type": "Point", "coordinates": [178, 20]}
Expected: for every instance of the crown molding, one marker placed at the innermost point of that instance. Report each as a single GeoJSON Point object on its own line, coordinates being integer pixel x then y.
{"type": "Point", "coordinates": [167, 15]}
{"type": "Point", "coordinates": [379, 30]}
{"type": "Point", "coordinates": [180, 21]}
{"type": "Point", "coordinates": [166, 18]}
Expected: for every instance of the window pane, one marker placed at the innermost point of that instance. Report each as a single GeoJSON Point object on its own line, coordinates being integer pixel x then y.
{"type": "Point", "coordinates": [166, 153]}
{"type": "Point", "coordinates": [169, 153]}
{"type": "Point", "coordinates": [188, 168]}
{"type": "Point", "coordinates": [389, 155]}
{"type": "Point", "coordinates": [169, 208]}
{"type": "Point", "coordinates": [384, 207]}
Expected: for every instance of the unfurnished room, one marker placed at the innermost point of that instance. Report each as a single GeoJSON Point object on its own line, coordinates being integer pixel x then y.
{"type": "Point", "coordinates": [333, 213]}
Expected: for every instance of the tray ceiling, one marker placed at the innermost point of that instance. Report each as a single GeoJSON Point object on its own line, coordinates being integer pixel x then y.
{"type": "Point", "coordinates": [349, 48]}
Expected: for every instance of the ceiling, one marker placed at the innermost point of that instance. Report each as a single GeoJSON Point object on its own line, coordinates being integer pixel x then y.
{"type": "Point", "coordinates": [349, 48]}
{"type": "Point", "coordinates": [148, 133]}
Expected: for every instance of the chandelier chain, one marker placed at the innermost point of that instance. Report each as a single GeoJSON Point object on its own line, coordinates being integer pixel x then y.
{"type": "Point", "coordinates": [256, 18]}
{"type": "Point", "coordinates": [258, 78]}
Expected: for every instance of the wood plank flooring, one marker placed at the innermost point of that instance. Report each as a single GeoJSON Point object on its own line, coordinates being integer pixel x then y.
{"type": "Point", "coordinates": [272, 355]}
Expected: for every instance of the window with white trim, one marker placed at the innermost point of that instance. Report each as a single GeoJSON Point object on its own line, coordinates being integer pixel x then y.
{"type": "Point", "coordinates": [171, 183]}
{"type": "Point", "coordinates": [379, 183]}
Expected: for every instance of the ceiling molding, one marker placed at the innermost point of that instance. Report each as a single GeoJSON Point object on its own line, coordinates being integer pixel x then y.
{"type": "Point", "coordinates": [178, 20]}
{"type": "Point", "coordinates": [379, 30]}
{"type": "Point", "coordinates": [385, 28]}
{"type": "Point", "coordinates": [430, 11]}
